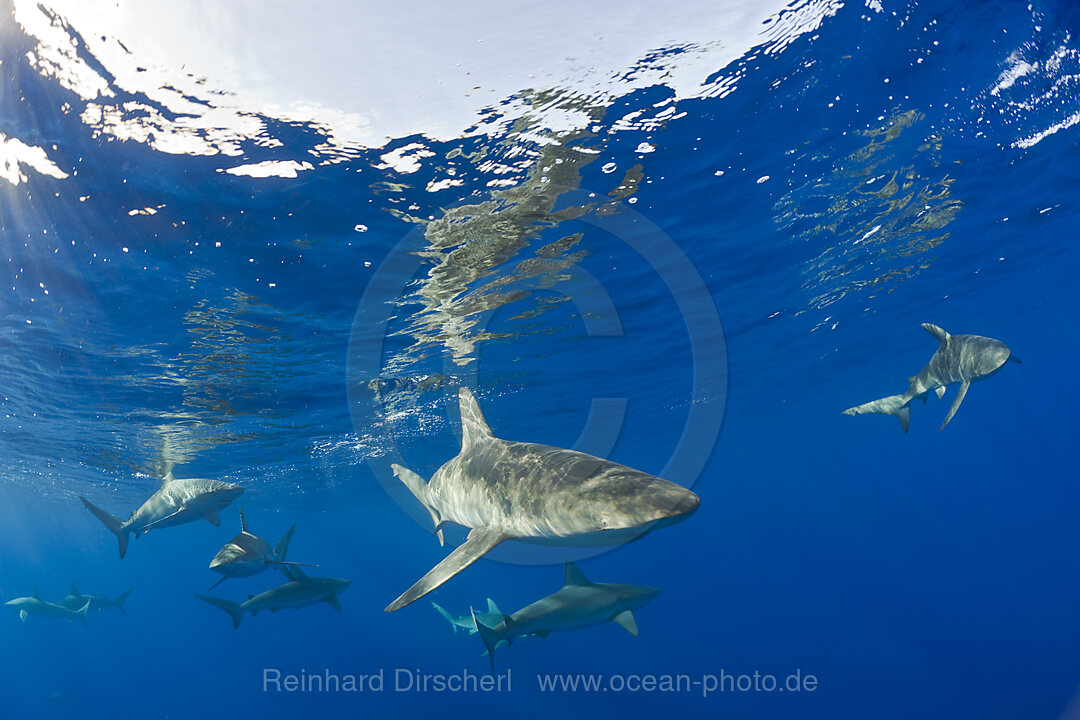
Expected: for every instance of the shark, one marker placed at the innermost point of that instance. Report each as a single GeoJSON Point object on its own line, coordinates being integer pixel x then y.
{"type": "Point", "coordinates": [34, 605]}
{"type": "Point", "coordinates": [503, 490]}
{"type": "Point", "coordinates": [176, 502]}
{"type": "Point", "coordinates": [248, 554]}
{"type": "Point", "coordinates": [580, 603]}
{"type": "Point", "coordinates": [492, 617]}
{"type": "Point", "coordinates": [76, 600]}
{"type": "Point", "coordinates": [962, 359]}
{"type": "Point", "coordinates": [299, 592]}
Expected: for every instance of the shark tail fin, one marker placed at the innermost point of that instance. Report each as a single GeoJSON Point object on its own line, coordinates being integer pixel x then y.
{"type": "Point", "coordinates": [115, 525]}
{"type": "Point", "coordinates": [897, 405]}
{"type": "Point", "coordinates": [489, 636]}
{"type": "Point", "coordinates": [418, 487]}
{"type": "Point", "coordinates": [227, 605]}
{"type": "Point", "coordinates": [81, 613]}
{"type": "Point", "coordinates": [446, 616]}
{"type": "Point", "coordinates": [474, 428]}
{"type": "Point", "coordinates": [118, 603]}
{"type": "Point", "coordinates": [282, 547]}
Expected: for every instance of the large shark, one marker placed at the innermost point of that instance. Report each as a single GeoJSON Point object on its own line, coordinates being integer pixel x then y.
{"type": "Point", "coordinates": [248, 554]}
{"type": "Point", "coordinates": [76, 600]}
{"type": "Point", "coordinates": [175, 503]}
{"type": "Point", "coordinates": [492, 617]}
{"type": "Point", "coordinates": [34, 605]}
{"type": "Point", "coordinates": [299, 592]}
{"type": "Point", "coordinates": [960, 359]}
{"type": "Point", "coordinates": [579, 604]}
{"type": "Point", "coordinates": [506, 490]}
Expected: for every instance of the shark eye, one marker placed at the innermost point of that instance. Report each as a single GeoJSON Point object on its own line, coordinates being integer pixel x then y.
{"type": "Point", "coordinates": [604, 523]}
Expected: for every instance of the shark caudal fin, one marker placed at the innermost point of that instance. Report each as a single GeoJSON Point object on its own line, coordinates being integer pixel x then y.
{"type": "Point", "coordinates": [490, 637]}
{"type": "Point", "coordinates": [282, 547]}
{"type": "Point", "coordinates": [897, 405]}
{"type": "Point", "coordinates": [227, 605]}
{"type": "Point", "coordinates": [81, 614]}
{"type": "Point", "coordinates": [474, 428]}
{"type": "Point", "coordinates": [418, 487]}
{"type": "Point", "coordinates": [118, 603]}
{"type": "Point", "coordinates": [446, 616]}
{"type": "Point", "coordinates": [479, 542]}
{"type": "Point", "coordinates": [115, 524]}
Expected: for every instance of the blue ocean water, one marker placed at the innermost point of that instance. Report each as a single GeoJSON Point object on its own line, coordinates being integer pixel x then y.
{"type": "Point", "coordinates": [691, 284]}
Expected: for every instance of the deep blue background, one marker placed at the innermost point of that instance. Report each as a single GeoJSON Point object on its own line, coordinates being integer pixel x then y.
{"type": "Point", "coordinates": [930, 574]}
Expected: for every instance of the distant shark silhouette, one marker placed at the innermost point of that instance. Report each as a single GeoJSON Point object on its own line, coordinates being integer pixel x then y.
{"type": "Point", "coordinates": [299, 592]}
{"type": "Point", "coordinates": [175, 503]}
{"type": "Point", "coordinates": [506, 490]}
{"type": "Point", "coordinates": [492, 617]}
{"type": "Point", "coordinates": [76, 600]}
{"type": "Point", "coordinates": [579, 604]}
{"type": "Point", "coordinates": [34, 605]}
{"type": "Point", "coordinates": [960, 359]}
{"type": "Point", "coordinates": [248, 554]}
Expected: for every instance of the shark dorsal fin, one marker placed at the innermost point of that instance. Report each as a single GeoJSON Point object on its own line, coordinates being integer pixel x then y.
{"type": "Point", "coordinates": [243, 521]}
{"type": "Point", "coordinates": [574, 576]}
{"type": "Point", "coordinates": [941, 335]}
{"type": "Point", "coordinates": [37, 594]}
{"type": "Point", "coordinates": [75, 590]}
{"type": "Point", "coordinates": [493, 609]}
{"type": "Point", "coordinates": [167, 479]}
{"type": "Point", "coordinates": [474, 428]}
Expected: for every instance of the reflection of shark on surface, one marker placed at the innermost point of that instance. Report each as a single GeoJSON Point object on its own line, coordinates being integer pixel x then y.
{"type": "Point", "coordinates": [960, 359]}
{"type": "Point", "coordinates": [506, 490]}
{"type": "Point", "coordinates": [175, 503]}
{"type": "Point", "coordinates": [579, 604]}
{"type": "Point", "coordinates": [76, 600]}
{"type": "Point", "coordinates": [492, 617]}
{"type": "Point", "coordinates": [34, 605]}
{"type": "Point", "coordinates": [299, 592]}
{"type": "Point", "coordinates": [248, 554]}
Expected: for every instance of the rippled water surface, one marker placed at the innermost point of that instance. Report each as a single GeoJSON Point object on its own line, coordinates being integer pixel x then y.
{"type": "Point", "coordinates": [267, 244]}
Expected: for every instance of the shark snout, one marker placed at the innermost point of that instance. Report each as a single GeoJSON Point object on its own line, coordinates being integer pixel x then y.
{"type": "Point", "coordinates": [681, 505]}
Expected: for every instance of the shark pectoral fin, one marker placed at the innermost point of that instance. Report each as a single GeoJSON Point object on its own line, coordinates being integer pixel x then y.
{"type": "Point", "coordinates": [627, 621]}
{"type": "Point", "coordinates": [147, 528]}
{"type": "Point", "coordinates": [940, 391]}
{"type": "Point", "coordinates": [333, 602]}
{"type": "Point", "coordinates": [479, 542]}
{"type": "Point", "coordinates": [956, 403]}
{"type": "Point", "coordinates": [23, 615]}
{"type": "Point", "coordinates": [213, 518]}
